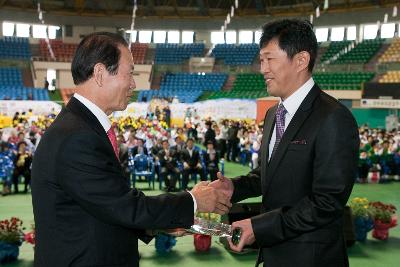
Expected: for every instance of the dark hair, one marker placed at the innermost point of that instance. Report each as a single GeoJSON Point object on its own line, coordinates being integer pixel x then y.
{"type": "Point", "coordinates": [98, 47]}
{"type": "Point", "coordinates": [190, 139]}
{"type": "Point", "coordinates": [21, 143]}
{"type": "Point", "coordinates": [293, 37]}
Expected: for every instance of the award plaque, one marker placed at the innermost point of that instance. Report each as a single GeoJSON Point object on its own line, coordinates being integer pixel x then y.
{"type": "Point", "coordinates": [206, 227]}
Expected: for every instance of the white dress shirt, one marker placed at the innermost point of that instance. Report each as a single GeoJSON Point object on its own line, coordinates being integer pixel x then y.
{"type": "Point", "coordinates": [291, 104]}
{"type": "Point", "coordinates": [190, 152]}
{"type": "Point", "coordinates": [97, 112]}
{"type": "Point", "coordinates": [106, 123]}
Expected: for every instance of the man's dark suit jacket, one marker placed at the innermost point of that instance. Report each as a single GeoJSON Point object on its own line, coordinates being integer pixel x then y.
{"type": "Point", "coordinates": [213, 164]}
{"type": "Point", "coordinates": [193, 160]}
{"type": "Point", "coordinates": [85, 213]}
{"type": "Point", "coordinates": [171, 161]}
{"type": "Point", "coordinates": [305, 185]}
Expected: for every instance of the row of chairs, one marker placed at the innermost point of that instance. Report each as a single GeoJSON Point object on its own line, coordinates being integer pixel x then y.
{"type": "Point", "coordinates": [142, 165]}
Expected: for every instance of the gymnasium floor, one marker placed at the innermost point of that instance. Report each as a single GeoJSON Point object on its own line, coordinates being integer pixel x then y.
{"type": "Point", "coordinates": [372, 253]}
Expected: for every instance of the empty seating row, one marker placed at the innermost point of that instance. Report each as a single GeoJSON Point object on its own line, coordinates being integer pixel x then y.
{"type": "Point", "coordinates": [23, 93]}
{"type": "Point", "coordinates": [176, 53]}
{"type": "Point", "coordinates": [249, 82]}
{"type": "Point", "coordinates": [246, 86]}
{"type": "Point", "coordinates": [342, 80]}
{"type": "Point", "coordinates": [192, 81]}
{"type": "Point", "coordinates": [239, 94]}
{"type": "Point", "coordinates": [392, 54]}
{"type": "Point", "coordinates": [361, 53]}
{"type": "Point", "coordinates": [10, 76]}
{"type": "Point", "coordinates": [392, 76]}
{"type": "Point", "coordinates": [62, 51]}
{"type": "Point", "coordinates": [139, 52]}
{"type": "Point", "coordinates": [242, 54]}
{"type": "Point", "coordinates": [334, 48]}
{"type": "Point", "coordinates": [187, 87]}
{"type": "Point", "coordinates": [15, 48]}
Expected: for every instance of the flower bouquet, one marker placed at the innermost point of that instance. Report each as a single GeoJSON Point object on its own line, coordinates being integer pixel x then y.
{"type": "Point", "coordinates": [384, 219]}
{"type": "Point", "coordinates": [363, 219]}
{"type": "Point", "coordinates": [11, 238]}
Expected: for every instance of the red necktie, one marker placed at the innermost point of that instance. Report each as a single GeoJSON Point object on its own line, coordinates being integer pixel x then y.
{"type": "Point", "coordinates": [113, 139]}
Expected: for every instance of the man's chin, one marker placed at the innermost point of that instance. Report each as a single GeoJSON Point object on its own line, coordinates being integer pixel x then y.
{"type": "Point", "coordinates": [271, 92]}
{"type": "Point", "coordinates": [122, 107]}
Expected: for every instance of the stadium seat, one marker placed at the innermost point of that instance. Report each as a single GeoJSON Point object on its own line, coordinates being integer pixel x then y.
{"type": "Point", "coordinates": [392, 53]}
{"type": "Point", "coordinates": [15, 48]}
{"type": "Point", "coordinates": [177, 53]}
{"type": "Point", "coordinates": [246, 86]}
{"type": "Point", "coordinates": [187, 87]}
{"type": "Point", "coordinates": [361, 53]}
{"type": "Point", "coordinates": [342, 80]}
{"type": "Point", "coordinates": [242, 54]}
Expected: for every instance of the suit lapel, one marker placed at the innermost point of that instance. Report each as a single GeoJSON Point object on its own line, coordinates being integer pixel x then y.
{"type": "Point", "coordinates": [269, 124]}
{"type": "Point", "coordinates": [75, 106]}
{"type": "Point", "coordinates": [294, 126]}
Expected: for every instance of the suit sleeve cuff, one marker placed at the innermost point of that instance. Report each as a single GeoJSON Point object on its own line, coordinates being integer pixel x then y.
{"type": "Point", "coordinates": [194, 203]}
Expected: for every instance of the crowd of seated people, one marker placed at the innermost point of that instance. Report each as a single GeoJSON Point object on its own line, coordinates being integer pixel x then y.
{"type": "Point", "coordinates": [179, 154]}
{"type": "Point", "coordinates": [18, 145]}
{"type": "Point", "coordinates": [194, 150]}
{"type": "Point", "coordinates": [379, 154]}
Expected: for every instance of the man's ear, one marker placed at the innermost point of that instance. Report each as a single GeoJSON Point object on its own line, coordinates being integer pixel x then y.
{"type": "Point", "coordinates": [302, 60]}
{"type": "Point", "coordinates": [98, 74]}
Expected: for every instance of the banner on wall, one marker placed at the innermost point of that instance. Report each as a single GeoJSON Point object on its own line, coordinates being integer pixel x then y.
{"type": "Point", "coordinates": [216, 109]}
{"type": "Point", "coordinates": [9, 107]}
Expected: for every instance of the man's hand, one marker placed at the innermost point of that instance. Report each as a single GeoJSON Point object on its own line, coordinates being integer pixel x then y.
{"type": "Point", "coordinates": [247, 237]}
{"type": "Point", "coordinates": [177, 232]}
{"type": "Point", "coordinates": [210, 199]}
{"type": "Point", "coordinates": [223, 184]}
{"type": "Point", "coordinates": [185, 165]}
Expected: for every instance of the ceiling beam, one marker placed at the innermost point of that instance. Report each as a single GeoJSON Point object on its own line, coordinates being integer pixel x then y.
{"type": "Point", "coordinates": [260, 6]}
{"type": "Point", "coordinates": [79, 5]}
{"type": "Point", "coordinates": [2, 2]}
{"type": "Point", "coordinates": [150, 7]}
{"type": "Point", "coordinates": [175, 5]}
{"type": "Point", "coordinates": [202, 7]}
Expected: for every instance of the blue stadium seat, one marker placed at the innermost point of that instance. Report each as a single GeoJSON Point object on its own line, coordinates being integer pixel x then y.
{"type": "Point", "coordinates": [242, 54]}
{"type": "Point", "coordinates": [187, 87]}
{"type": "Point", "coordinates": [14, 48]}
{"type": "Point", "coordinates": [12, 87]}
{"type": "Point", "coordinates": [177, 53]}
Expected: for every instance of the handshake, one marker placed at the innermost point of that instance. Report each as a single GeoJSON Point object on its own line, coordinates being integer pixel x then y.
{"type": "Point", "coordinates": [215, 196]}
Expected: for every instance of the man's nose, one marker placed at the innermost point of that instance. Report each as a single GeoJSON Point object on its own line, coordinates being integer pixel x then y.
{"type": "Point", "coordinates": [264, 68]}
{"type": "Point", "coordinates": [133, 84]}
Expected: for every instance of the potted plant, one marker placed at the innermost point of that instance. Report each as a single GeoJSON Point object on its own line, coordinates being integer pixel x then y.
{"type": "Point", "coordinates": [384, 219]}
{"type": "Point", "coordinates": [362, 216]}
{"type": "Point", "coordinates": [11, 238]}
{"type": "Point", "coordinates": [30, 237]}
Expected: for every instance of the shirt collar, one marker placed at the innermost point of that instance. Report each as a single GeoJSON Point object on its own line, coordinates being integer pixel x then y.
{"type": "Point", "coordinates": [293, 102]}
{"type": "Point", "coordinates": [100, 115]}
